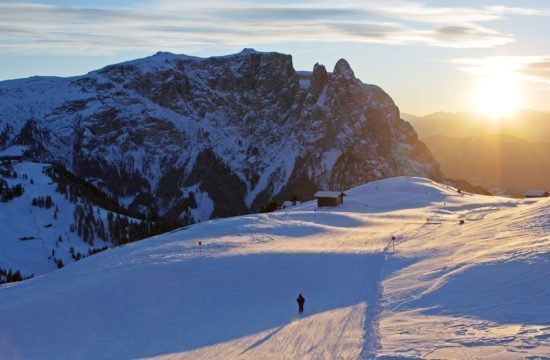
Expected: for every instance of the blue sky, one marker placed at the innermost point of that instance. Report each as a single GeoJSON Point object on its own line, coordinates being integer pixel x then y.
{"type": "Point", "coordinates": [428, 55]}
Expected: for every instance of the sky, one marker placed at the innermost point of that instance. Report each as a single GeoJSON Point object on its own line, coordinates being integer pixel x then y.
{"type": "Point", "coordinates": [446, 55]}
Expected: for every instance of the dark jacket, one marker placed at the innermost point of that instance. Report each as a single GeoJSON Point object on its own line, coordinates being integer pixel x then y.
{"type": "Point", "coordinates": [301, 300]}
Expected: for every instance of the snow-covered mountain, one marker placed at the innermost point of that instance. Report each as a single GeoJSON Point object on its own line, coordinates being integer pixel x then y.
{"type": "Point", "coordinates": [49, 219]}
{"type": "Point", "coordinates": [447, 291]}
{"type": "Point", "coordinates": [200, 138]}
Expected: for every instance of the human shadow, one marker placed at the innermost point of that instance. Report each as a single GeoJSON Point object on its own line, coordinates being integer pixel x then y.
{"type": "Point", "coordinates": [262, 340]}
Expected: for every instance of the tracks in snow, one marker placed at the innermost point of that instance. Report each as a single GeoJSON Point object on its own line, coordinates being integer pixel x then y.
{"type": "Point", "coordinates": [371, 338]}
{"type": "Point", "coordinates": [374, 293]}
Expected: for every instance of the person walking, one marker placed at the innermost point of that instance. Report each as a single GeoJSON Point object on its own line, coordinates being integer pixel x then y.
{"type": "Point", "coordinates": [300, 300]}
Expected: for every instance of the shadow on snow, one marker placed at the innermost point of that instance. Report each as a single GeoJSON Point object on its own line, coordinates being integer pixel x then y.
{"type": "Point", "coordinates": [506, 292]}
{"type": "Point", "coordinates": [173, 307]}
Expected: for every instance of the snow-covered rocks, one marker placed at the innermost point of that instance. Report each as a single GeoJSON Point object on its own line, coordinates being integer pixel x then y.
{"type": "Point", "coordinates": [150, 128]}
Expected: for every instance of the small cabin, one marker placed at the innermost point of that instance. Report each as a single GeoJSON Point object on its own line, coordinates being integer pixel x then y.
{"type": "Point", "coordinates": [329, 198]}
{"type": "Point", "coordinates": [536, 193]}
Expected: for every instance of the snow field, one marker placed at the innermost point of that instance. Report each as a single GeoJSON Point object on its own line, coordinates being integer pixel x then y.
{"type": "Point", "coordinates": [477, 290]}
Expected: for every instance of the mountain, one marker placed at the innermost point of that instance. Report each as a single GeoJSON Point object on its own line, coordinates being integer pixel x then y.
{"type": "Point", "coordinates": [447, 291]}
{"type": "Point", "coordinates": [508, 155]}
{"type": "Point", "coordinates": [503, 163]}
{"type": "Point", "coordinates": [192, 138]}
{"type": "Point", "coordinates": [531, 125]}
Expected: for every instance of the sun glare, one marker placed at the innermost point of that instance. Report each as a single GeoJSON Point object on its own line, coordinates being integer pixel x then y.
{"type": "Point", "coordinates": [497, 98]}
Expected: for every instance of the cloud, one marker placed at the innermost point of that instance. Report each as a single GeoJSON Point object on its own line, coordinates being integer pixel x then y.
{"type": "Point", "coordinates": [177, 25]}
{"type": "Point", "coordinates": [468, 36]}
{"type": "Point", "coordinates": [499, 9]}
{"type": "Point", "coordinates": [526, 68]}
{"type": "Point", "coordinates": [539, 69]}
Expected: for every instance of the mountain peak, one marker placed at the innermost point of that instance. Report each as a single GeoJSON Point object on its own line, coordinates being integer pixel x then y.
{"type": "Point", "coordinates": [247, 51]}
{"type": "Point", "coordinates": [342, 68]}
{"type": "Point", "coordinates": [163, 53]}
{"type": "Point", "coordinates": [319, 78]}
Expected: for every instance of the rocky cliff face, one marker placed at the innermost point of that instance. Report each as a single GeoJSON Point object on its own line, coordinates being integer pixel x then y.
{"type": "Point", "coordinates": [198, 138]}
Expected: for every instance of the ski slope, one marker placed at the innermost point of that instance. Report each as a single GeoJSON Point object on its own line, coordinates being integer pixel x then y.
{"type": "Point", "coordinates": [478, 290]}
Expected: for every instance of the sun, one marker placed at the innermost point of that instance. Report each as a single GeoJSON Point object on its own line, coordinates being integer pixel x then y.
{"type": "Point", "coordinates": [498, 97]}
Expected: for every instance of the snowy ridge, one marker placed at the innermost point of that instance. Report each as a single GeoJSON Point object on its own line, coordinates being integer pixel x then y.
{"type": "Point", "coordinates": [477, 290]}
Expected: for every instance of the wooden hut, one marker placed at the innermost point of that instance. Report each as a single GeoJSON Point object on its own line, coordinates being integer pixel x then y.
{"type": "Point", "coordinates": [329, 198]}
{"type": "Point", "coordinates": [536, 193]}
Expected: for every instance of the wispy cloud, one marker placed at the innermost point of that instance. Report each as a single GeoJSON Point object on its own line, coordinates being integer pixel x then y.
{"type": "Point", "coordinates": [500, 9]}
{"type": "Point", "coordinates": [526, 68]}
{"type": "Point", "coordinates": [176, 25]}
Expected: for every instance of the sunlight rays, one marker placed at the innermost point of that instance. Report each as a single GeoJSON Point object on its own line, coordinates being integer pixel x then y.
{"type": "Point", "coordinates": [497, 97]}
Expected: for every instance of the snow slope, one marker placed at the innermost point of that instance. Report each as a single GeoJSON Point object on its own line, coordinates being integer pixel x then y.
{"type": "Point", "coordinates": [477, 290]}
{"type": "Point", "coordinates": [18, 218]}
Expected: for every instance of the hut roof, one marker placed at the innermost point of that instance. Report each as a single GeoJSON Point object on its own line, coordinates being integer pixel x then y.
{"type": "Point", "coordinates": [329, 194]}
{"type": "Point", "coordinates": [535, 193]}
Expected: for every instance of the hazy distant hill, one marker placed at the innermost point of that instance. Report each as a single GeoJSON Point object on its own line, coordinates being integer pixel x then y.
{"type": "Point", "coordinates": [494, 161]}
{"type": "Point", "coordinates": [511, 153]}
{"type": "Point", "coordinates": [528, 124]}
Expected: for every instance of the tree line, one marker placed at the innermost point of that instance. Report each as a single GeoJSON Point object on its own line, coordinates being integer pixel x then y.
{"type": "Point", "coordinates": [9, 275]}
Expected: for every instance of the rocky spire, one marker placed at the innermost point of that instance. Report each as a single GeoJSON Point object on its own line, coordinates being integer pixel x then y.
{"type": "Point", "coordinates": [319, 78]}
{"type": "Point", "coordinates": [342, 69]}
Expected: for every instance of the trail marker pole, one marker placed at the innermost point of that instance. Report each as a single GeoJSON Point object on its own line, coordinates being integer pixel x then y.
{"type": "Point", "coordinates": [200, 247]}
{"type": "Point", "coordinates": [393, 242]}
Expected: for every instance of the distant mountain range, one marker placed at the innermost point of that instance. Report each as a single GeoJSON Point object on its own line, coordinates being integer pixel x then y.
{"type": "Point", "coordinates": [481, 151]}
{"type": "Point", "coordinates": [531, 125]}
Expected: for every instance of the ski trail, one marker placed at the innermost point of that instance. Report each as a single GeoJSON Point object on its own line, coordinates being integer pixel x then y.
{"type": "Point", "coordinates": [371, 339]}
{"type": "Point", "coordinates": [374, 293]}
